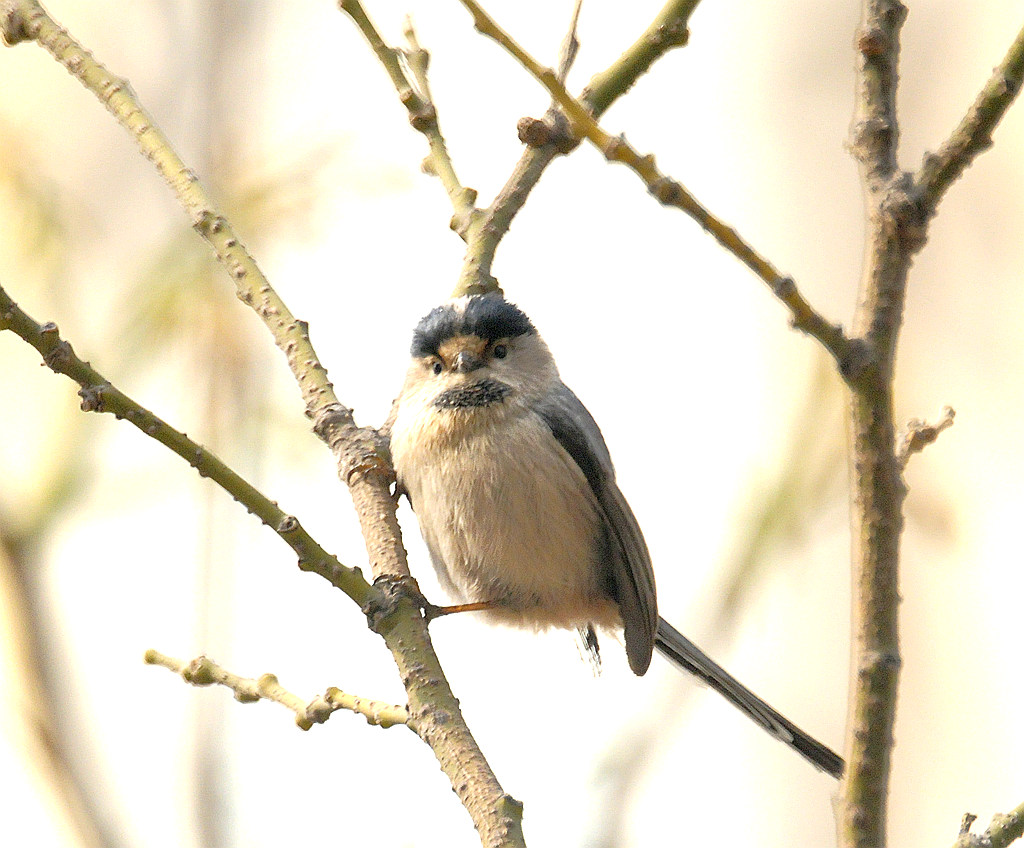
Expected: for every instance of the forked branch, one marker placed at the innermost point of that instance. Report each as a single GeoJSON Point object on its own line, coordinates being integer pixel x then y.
{"type": "Point", "coordinates": [671, 192]}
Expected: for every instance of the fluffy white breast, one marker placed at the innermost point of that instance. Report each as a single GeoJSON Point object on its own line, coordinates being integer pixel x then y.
{"type": "Point", "coordinates": [506, 513]}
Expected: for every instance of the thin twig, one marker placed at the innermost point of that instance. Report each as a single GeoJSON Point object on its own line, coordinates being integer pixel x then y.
{"type": "Point", "coordinates": [669, 191]}
{"type": "Point", "coordinates": [202, 671]}
{"type": "Point", "coordinates": [570, 44]}
{"type": "Point", "coordinates": [974, 133]}
{"type": "Point", "coordinates": [415, 96]}
{"type": "Point", "coordinates": [667, 31]}
{"type": "Point", "coordinates": [1004, 829]}
{"type": "Point", "coordinates": [919, 434]}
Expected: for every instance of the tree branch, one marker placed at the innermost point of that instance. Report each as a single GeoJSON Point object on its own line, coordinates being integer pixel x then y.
{"type": "Point", "coordinates": [874, 137]}
{"type": "Point", "coordinates": [667, 31]}
{"type": "Point", "coordinates": [98, 395]}
{"type": "Point", "coordinates": [974, 133]}
{"type": "Point", "coordinates": [1005, 828]}
{"type": "Point", "coordinates": [484, 229]}
{"type": "Point", "coordinates": [671, 193]}
{"type": "Point", "coordinates": [415, 96]}
{"type": "Point", "coordinates": [356, 450]}
{"type": "Point", "coordinates": [899, 208]}
{"type": "Point", "coordinates": [394, 607]}
{"type": "Point", "coordinates": [876, 474]}
{"type": "Point", "coordinates": [202, 671]}
{"type": "Point", "coordinates": [919, 434]}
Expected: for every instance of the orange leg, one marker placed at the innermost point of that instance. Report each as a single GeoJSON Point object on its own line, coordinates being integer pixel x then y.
{"type": "Point", "coordinates": [430, 611]}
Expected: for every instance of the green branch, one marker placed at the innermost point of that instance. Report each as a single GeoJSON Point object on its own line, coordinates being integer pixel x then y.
{"type": "Point", "coordinates": [202, 671]}
{"type": "Point", "coordinates": [669, 191]}
{"type": "Point", "coordinates": [415, 96]}
{"type": "Point", "coordinates": [98, 395]}
{"type": "Point", "coordinates": [394, 603]}
{"type": "Point", "coordinates": [27, 20]}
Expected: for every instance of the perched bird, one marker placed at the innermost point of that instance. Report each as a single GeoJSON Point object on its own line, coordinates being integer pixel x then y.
{"type": "Point", "coordinates": [515, 494]}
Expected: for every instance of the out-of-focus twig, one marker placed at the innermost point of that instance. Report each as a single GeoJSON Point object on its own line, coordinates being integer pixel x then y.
{"type": "Point", "coordinates": [1005, 828]}
{"type": "Point", "coordinates": [919, 434]}
{"type": "Point", "coordinates": [973, 135]}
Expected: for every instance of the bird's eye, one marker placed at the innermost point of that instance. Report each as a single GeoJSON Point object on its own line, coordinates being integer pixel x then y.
{"type": "Point", "coordinates": [500, 351]}
{"type": "Point", "coordinates": [438, 368]}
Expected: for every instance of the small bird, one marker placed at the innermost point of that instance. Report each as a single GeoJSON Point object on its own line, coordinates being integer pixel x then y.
{"type": "Point", "coordinates": [515, 495]}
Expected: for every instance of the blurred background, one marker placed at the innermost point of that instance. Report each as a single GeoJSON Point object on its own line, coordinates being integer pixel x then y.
{"type": "Point", "coordinates": [726, 426]}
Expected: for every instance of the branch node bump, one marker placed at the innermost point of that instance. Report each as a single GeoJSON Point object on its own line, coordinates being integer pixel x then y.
{"type": "Point", "coordinates": [386, 595]}
{"type": "Point", "coordinates": [58, 357]}
{"type": "Point", "coordinates": [867, 135]}
{"type": "Point", "coordinates": [966, 823]}
{"type": "Point", "coordinates": [667, 191]}
{"type": "Point", "coordinates": [539, 132]}
{"type": "Point", "coordinates": [533, 132]}
{"type": "Point", "coordinates": [872, 42]}
{"type": "Point", "coordinates": [858, 359]}
{"type": "Point", "coordinates": [332, 416]}
{"type": "Point", "coordinates": [614, 147]}
{"type": "Point", "coordinates": [674, 34]}
{"type": "Point", "coordinates": [12, 23]}
{"type": "Point", "coordinates": [423, 117]}
{"type": "Point", "coordinates": [199, 672]}
{"type": "Point", "coordinates": [783, 287]}
{"type": "Point", "coordinates": [92, 397]}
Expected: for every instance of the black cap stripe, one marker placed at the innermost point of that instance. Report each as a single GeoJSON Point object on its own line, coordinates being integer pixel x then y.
{"type": "Point", "coordinates": [490, 317]}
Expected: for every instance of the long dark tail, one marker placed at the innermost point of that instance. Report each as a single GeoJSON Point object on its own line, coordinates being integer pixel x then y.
{"type": "Point", "coordinates": [689, 657]}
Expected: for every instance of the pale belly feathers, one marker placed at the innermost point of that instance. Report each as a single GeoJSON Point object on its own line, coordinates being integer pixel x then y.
{"type": "Point", "coordinates": [502, 519]}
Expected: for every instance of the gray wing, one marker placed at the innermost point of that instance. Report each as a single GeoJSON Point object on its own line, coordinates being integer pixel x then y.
{"type": "Point", "coordinates": [629, 563]}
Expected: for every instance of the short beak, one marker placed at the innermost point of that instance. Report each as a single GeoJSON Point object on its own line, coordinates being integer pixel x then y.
{"type": "Point", "coordinates": [466, 361]}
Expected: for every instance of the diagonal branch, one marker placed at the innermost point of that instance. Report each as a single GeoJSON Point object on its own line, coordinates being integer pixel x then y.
{"type": "Point", "coordinates": [974, 133]}
{"type": "Point", "coordinates": [666, 32]}
{"type": "Point", "coordinates": [98, 395]}
{"type": "Point", "coordinates": [356, 450]}
{"type": "Point", "coordinates": [415, 96]}
{"type": "Point", "coordinates": [484, 229]}
{"type": "Point", "coordinates": [394, 607]}
{"type": "Point", "coordinates": [671, 193]}
{"type": "Point", "coordinates": [1005, 828]}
